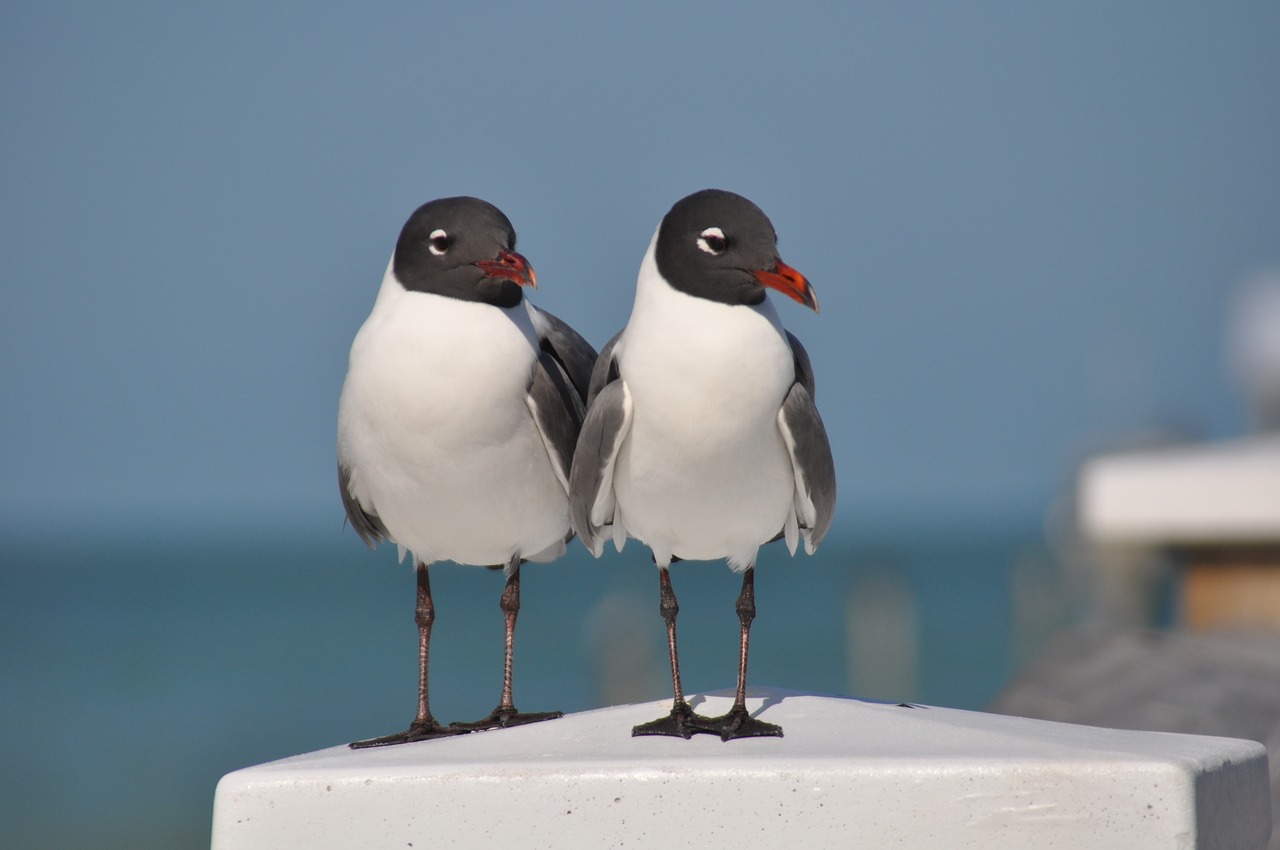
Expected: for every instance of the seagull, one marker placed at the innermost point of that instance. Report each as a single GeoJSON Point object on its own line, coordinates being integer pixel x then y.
{"type": "Point", "coordinates": [458, 418]}
{"type": "Point", "coordinates": [701, 438]}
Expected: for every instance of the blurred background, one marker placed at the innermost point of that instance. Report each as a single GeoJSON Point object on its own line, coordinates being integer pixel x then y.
{"type": "Point", "coordinates": [1027, 226]}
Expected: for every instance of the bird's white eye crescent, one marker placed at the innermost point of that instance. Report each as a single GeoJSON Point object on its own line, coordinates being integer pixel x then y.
{"type": "Point", "coordinates": [712, 241]}
{"type": "Point", "coordinates": [439, 242]}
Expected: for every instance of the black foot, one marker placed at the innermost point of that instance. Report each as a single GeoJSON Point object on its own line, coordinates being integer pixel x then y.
{"type": "Point", "coordinates": [417, 731]}
{"type": "Point", "coordinates": [502, 718]}
{"type": "Point", "coordinates": [738, 724]}
{"type": "Point", "coordinates": [682, 722]}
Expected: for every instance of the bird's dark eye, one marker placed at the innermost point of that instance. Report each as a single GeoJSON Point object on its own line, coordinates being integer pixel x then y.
{"type": "Point", "coordinates": [439, 242]}
{"type": "Point", "coordinates": [712, 241]}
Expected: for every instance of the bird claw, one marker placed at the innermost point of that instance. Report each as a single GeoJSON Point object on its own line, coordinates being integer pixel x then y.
{"type": "Point", "coordinates": [502, 718]}
{"type": "Point", "coordinates": [739, 724]}
{"type": "Point", "coordinates": [682, 722]}
{"type": "Point", "coordinates": [417, 731]}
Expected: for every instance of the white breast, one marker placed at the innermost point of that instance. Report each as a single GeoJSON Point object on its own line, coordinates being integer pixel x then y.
{"type": "Point", "coordinates": [704, 472]}
{"type": "Point", "coordinates": [434, 427]}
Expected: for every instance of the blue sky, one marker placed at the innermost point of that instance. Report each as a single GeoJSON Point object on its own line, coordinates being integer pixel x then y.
{"type": "Point", "coordinates": [1023, 222]}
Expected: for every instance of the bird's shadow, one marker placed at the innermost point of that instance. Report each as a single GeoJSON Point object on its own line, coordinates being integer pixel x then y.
{"type": "Point", "coordinates": [769, 699]}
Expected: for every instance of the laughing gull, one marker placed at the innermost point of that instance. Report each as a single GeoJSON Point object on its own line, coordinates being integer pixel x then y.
{"type": "Point", "coordinates": [702, 440]}
{"type": "Point", "coordinates": [458, 417]}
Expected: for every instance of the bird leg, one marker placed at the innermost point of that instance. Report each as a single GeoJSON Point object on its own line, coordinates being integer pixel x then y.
{"type": "Point", "coordinates": [505, 714]}
{"type": "Point", "coordinates": [424, 726]}
{"type": "Point", "coordinates": [737, 723]}
{"type": "Point", "coordinates": [682, 722]}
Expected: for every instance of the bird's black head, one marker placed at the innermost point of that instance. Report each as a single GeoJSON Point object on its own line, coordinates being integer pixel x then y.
{"type": "Point", "coordinates": [720, 246]}
{"type": "Point", "coordinates": [463, 248]}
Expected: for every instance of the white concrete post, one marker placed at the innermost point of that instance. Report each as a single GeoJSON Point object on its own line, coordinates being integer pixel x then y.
{"type": "Point", "coordinates": [847, 774]}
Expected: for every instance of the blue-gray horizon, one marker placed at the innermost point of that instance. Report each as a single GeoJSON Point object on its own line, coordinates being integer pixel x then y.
{"type": "Point", "coordinates": [1024, 227]}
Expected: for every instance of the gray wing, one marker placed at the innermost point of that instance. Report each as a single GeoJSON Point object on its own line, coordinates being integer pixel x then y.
{"type": "Point", "coordinates": [804, 369]}
{"type": "Point", "coordinates": [574, 354]}
{"type": "Point", "coordinates": [591, 500]}
{"type": "Point", "coordinates": [557, 410]}
{"type": "Point", "coordinates": [366, 524]}
{"type": "Point", "coordinates": [606, 369]}
{"type": "Point", "coordinates": [815, 472]}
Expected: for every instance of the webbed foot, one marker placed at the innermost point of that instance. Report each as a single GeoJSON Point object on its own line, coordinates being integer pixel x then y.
{"type": "Point", "coordinates": [739, 724]}
{"type": "Point", "coordinates": [502, 718]}
{"type": "Point", "coordinates": [682, 722]}
{"type": "Point", "coordinates": [417, 731]}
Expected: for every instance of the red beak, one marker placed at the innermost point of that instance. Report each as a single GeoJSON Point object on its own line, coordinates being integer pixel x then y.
{"type": "Point", "coordinates": [510, 266]}
{"type": "Point", "coordinates": [790, 283]}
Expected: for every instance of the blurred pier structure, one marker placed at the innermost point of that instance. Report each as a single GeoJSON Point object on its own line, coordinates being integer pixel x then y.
{"type": "Point", "coordinates": [1182, 547]}
{"type": "Point", "coordinates": [1213, 511]}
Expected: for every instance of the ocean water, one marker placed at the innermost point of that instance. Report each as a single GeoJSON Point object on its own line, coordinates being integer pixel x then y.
{"type": "Point", "coordinates": [137, 670]}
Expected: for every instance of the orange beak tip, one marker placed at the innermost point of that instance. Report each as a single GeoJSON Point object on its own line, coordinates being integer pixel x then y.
{"type": "Point", "coordinates": [790, 283]}
{"type": "Point", "coordinates": [510, 266]}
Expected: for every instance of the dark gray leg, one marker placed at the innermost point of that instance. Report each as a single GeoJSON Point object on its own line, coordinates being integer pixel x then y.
{"type": "Point", "coordinates": [682, 722]}
{"type": "Point", "coordinates": [737, 723]}
{"type": "Point", "coordinates": [505, 714]}
{"type": "Point", "coordinates": [424, 726]}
